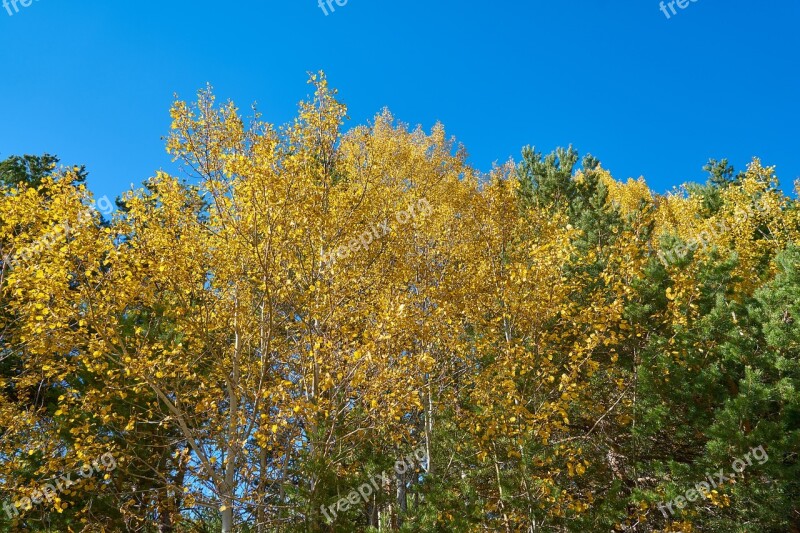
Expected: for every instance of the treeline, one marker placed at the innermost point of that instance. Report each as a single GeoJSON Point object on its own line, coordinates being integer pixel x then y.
{"type": "Point", "coordinates": [309, 310]}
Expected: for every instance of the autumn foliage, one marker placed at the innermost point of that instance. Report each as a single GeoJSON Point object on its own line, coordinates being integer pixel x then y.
{"type": "Point", "coordinates": [570, 350]}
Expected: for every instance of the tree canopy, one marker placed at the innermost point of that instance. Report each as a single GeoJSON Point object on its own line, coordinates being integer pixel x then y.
{"type": "Point", "coordinates": [308, 305]}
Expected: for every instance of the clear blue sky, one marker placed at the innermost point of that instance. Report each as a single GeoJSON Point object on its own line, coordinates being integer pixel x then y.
{"type": "Point", "coordinates": [92, 81]}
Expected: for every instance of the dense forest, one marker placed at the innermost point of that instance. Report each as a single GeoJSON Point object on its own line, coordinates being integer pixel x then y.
{"type": "Point", "coordinates": [314, 328]}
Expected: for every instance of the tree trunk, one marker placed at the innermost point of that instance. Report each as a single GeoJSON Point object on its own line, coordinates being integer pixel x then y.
{"type": "Point", "coordinates": [402, 500]}
{"type": "Point", "coordinates": [227, 518]}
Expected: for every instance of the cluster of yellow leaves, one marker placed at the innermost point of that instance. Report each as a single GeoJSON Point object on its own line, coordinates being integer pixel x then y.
{"type": "Point", "coordinates": [201, 332]}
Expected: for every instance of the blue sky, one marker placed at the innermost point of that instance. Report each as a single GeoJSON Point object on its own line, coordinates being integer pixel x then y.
{"type": "Point", "coordinates": [93, 81]}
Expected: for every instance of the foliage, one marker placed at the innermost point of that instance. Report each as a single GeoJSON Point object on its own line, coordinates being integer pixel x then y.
{"type": "Point", "coordinates": [570, 351]}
